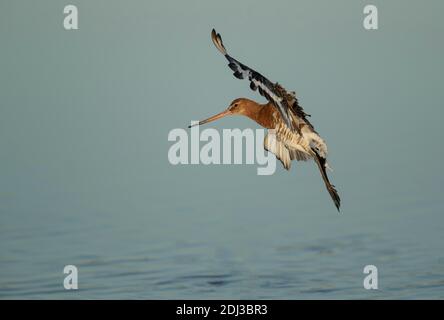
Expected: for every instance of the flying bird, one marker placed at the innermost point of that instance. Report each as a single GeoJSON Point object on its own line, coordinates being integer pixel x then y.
{"type": "Point", "coordinates": [291, 136]}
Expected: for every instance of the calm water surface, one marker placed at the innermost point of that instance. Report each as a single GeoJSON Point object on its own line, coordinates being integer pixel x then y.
{"type": "Point", "coordinates": [243, 255]}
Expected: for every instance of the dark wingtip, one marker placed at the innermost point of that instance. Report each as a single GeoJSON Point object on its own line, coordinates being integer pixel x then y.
{"type": "Point", "coordinates": [217, 40]}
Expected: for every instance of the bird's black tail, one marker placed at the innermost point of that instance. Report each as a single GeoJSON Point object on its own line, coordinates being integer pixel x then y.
{"type": "Point", "coordinates": [321, 162]}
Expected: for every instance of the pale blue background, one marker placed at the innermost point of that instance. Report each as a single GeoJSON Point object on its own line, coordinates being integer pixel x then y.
{"type": "Point", "coordinates": [85, 179]}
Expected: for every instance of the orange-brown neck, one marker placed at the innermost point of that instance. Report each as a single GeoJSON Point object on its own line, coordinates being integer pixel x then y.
{"type": "Point", "coordinates": [260, 113]}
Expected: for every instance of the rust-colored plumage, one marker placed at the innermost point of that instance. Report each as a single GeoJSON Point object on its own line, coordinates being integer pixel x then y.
{"type": "Point", "coordinates": [291, 136]}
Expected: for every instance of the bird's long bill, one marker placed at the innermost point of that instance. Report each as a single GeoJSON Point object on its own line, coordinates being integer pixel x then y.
{"type": "Point", "coordinates": [213, 118]}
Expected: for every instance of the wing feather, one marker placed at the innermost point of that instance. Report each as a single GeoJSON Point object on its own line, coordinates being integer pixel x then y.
{"type": "Point", "coordinates": [258, 82]}
{"type": "Point", "coordinates": [278, 148]}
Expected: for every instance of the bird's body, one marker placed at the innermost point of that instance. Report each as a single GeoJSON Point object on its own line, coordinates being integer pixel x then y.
{"type": "Point", "coordinates": [267, 116]}
{"type": "Point", "coordinates": [291, 136]}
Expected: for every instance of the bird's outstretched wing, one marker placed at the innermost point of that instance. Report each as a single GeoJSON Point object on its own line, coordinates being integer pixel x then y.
{"type": "Point", "coordinates": [273, 92]}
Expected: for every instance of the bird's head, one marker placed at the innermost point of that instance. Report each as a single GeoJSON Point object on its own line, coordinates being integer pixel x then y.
{"type": "Point", "coordinates": [237, 106]}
